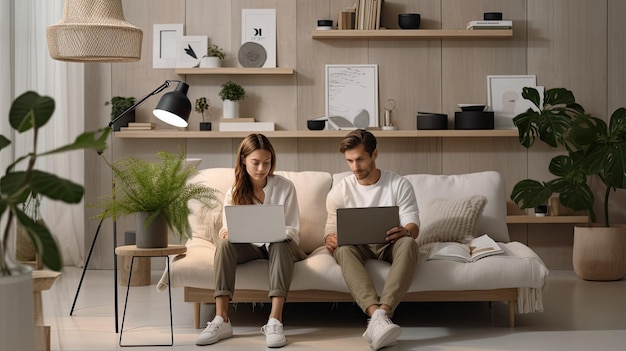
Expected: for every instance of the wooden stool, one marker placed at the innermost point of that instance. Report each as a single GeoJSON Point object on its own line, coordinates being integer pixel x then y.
{"type": "Point", "coordinates": [42, 280]}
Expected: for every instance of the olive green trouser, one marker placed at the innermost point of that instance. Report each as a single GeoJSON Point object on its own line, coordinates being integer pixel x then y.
{"type": "Point", "coordinates": [403, 258]}
{"type": "Point", "coordinates": [281, 256]}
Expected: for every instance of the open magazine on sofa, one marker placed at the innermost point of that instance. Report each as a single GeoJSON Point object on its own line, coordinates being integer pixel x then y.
{"type": "Point", "coordinates": [476, 249]}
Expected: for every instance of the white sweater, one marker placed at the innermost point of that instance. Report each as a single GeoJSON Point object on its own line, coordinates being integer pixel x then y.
{"type": "Point", "coordinates": [278, 191]}
{"type": "Point", "coordinates": [390, 190]}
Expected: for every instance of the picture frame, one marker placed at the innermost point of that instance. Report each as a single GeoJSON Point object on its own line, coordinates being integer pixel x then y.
{"type": "Point", "coordinates": [191, 48]}
{"type": "Point", "coordinates": [259, 26]}
{"type": "Point", "coordinates": [165, 40]}
{"type": "Point", "coordinates": [504, 97]}
{"type": "Point", "coordinates": [352, 93]}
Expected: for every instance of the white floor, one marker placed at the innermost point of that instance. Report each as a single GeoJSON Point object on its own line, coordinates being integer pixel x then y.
{"type": "Point", "coordinates": [579, 315]}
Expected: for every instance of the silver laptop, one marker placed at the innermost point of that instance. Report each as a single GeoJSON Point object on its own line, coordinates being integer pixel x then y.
{"type": "Point", "coordinates": [365, 225]}
{"type": "Point", "coordinates": [256, 223]}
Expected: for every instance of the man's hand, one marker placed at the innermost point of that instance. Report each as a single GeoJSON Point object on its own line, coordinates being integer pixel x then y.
{"type": "Point", "coordinates": [396, 233]}
{"type": "Point", "coordinates": [331, 242]}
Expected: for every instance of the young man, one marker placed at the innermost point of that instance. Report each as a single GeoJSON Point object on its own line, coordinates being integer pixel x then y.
{"type": "Point", "coordinates": [372, 187]}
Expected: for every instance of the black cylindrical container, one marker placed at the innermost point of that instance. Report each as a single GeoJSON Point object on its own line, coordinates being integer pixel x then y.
{"type": "Point", "coordinates": [429, 121]}
{"type": "Point", "coordinates": [473, 120]}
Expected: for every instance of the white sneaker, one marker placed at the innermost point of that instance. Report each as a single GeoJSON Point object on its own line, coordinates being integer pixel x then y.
{"type": "Point", "coordinates": [215, 331]}
{"type": "Point", "coordinates": [381, 331]}
{"type": "Point", "coordinates": [274, 335]}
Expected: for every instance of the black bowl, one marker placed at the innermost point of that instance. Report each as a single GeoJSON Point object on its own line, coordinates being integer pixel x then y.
{"type": "Point", "coordinates": [316, 124]}
{"type": "Point", "coordinates": [409, 20]}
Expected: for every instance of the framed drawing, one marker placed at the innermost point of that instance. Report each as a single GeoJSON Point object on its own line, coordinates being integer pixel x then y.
{"type": "Point", "coordinates": [259, 26]}
{"type": "Point", "coordinates": [352, 93]}
{"type": "Point", "coordinates": [165, 44]}
{"type": "Point", "coordinates": [190, 50]}
{"type": "Point", "coordinates": [504, 97]}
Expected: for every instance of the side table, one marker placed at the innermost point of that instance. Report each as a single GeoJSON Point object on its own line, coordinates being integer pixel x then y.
{"type": "Point", "coordinates": [133, 251]}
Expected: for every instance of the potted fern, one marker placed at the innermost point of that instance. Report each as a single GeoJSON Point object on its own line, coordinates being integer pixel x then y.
{"type": "Point", "coordinates": [120, 104]}
{"type": "Point", "coordinates": [201, 106]}
{"type": "Point", "coordinates": [231, 93]}
{"type": "Point", "coordinates": [158, 193]}
{"type": "Point", "coordinates": [30, 112]}
{"type": "Point", "coordinates": [593, 151]}
{"type": "Point", "coordinates": [213, 57]}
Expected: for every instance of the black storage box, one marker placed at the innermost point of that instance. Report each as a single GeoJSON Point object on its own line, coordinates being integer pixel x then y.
{"type": "Point", "coordinates": [426, 121]}
{"type": "Point", "coordinates": [473, 120]}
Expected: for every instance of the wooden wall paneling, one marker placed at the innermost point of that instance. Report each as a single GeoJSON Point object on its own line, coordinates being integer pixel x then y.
{"type": "Point", "coordinates": [213, 152]}
{"type": "Point", "coordinates": [410, 155]}
{"type": "Point", "coordinates": [409, 72]}
{"type": "Point", "coordinates": [321, 154]}
{"type": "Point", "coordinates": [97, 173]}
{"type": "Point", "coordinates": [616, 86]}
{"type": "Point", "coordinates": [313, 55]}
{"type": "Point", "coordinates": [466, 155]}
{"type": "Point", "coordinates": [564, 51]}
{"type": "Point", "coordinates": [466, 63]}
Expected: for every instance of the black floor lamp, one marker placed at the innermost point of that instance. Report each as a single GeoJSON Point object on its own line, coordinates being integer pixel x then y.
{"type": "Point", "coordinates": [174, 109]}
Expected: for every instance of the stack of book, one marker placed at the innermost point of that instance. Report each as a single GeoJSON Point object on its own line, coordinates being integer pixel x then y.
{"type": "Point", "coordinates": [244, 125]}
{"type": "Point", "coordinates": [368, 14]}
{"type": "Point", "coordinates": [505, 24]}
{"type": "Point", "coordinates": [138, 126]}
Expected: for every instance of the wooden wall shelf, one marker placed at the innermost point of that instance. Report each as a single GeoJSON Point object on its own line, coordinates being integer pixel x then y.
{"type": "Point", "coordinates": [236, 70]}
{"type": "Point", "coordinates": [182, 134]}
{"type": "Point", "coordinates": [522, 219]}
{"type": "Point", "coordinates": [412, 34]}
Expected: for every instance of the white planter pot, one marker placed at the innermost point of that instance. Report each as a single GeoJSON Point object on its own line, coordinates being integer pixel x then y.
{"type": "Point", "coordinates": [16, 312]}
{"type": "Point", "coordinates": [210, 62]}
{"type": "Point", "coordinates": [231, 109]}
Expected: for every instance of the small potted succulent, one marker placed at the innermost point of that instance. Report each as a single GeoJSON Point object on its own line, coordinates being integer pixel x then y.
{"type": "Point", "coordinates": [213, 57]}
{"type": "Point", "coordinates": [120, 104]}
{"type": "Point", "coordinates": [201, 106]}
{"type": "Point", "coordinates": [231, 93]}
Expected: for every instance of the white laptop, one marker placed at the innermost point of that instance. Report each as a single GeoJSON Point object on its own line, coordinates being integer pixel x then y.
{"type": "Point", "coordinates": [256, 223]}
{"type": "Point", "coordinates": [365, 225]}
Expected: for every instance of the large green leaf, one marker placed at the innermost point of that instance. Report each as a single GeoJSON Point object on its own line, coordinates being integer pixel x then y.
{"type": "Point", "coordinates": [49, 185]}
{"type": "Point", "coordinates": [557, 96]}
{"type": "Point", "coordinates": [30, 110]}
{"type": "Point", "coordinates": [4, 142]}
{"type": "Point", "coordinates": [532, 95]}
{"type": "Point", "coordinates": [88, 140]}
{"type": "Point", "coordinates": [43, 241]}
{"type": "Point", "coordinates": [530, 193]}
{"type": "Point", "coordinates": [14, 185]}
{"type": "Point", "coordinates": [525, 123]}
{"type": "Point", "coordinates": [617, 125]}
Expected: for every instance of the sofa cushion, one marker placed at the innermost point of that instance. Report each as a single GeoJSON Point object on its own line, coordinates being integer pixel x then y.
{"type": "Point", "coordinates": [451, 220]}
{"type": "Point", "coordinates": [490, 184]}
{"type": "Point", "coordinates": [311, 187]}
{"type": "Point", "coordinates": [206, 223]}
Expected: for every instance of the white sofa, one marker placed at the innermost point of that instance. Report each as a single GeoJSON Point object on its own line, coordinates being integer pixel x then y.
{"type": "Point", "coordinates": [516, 277]}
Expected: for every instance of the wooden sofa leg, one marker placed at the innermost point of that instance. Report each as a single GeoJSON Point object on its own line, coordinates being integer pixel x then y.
{"type": "Point", "coordinates": [511, 314]}
{"type": "Point", "coordinates": [196, 314]}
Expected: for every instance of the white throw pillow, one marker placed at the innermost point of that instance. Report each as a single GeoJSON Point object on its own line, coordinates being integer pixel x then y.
{"type": "Point", "coordinates": [451, 220]}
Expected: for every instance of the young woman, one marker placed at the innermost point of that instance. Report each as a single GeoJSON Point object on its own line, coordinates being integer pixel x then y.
{"type": "Point", "coordinates": [256, 184]}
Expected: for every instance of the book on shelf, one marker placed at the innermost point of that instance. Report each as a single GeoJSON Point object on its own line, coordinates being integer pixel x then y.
{"type": "Point", "coordinates": [131, 128]}
{"type": "Point", "coordinates": [246, 126]}
{"type": "Point", "coordinates": [504, 24]}
{"type": "Point", "coordinates": [473, 251]}
{"type": "Point", "coordinates": [238, 120]}
{"type": "Point", "coordinates": [142, 124]}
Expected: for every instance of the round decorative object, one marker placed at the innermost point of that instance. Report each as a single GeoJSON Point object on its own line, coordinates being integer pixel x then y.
{"type": "Point", "coordinates": [409, 20]}
{"type": "Point", "coordinates": [252, 54]}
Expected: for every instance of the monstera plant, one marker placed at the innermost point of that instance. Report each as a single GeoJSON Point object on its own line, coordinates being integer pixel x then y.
{"type": "Point", "coordinates": [30, 112]}
{"type": "Point", "coordinates": [592, 149]}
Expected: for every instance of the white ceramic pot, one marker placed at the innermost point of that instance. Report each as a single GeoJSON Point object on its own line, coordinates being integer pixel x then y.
{"type": "Point", "coordinates": [231, 109]}
{"type": "Point", "coordinates": [210, 62]}
{"type": "Point", "coordinates": [17, 325]}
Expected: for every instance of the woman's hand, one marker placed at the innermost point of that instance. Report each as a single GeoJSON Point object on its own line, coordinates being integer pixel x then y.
{"type": "Point", "coordinates": [331, 242]}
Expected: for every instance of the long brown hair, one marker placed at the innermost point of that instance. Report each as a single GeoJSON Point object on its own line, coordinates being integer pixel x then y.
{"type": "Point", "coordinates": [243, 191]}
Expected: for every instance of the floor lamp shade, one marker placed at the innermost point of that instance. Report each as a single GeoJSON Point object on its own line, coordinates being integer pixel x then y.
{"type": "Point", "coordinates": [94, 31]}
{"type": "Point", "coordinates": [174, 107]}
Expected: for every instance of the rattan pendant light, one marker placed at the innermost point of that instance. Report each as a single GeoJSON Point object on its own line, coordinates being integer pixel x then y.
{"type": "Point", "coordinates": [94, 31]}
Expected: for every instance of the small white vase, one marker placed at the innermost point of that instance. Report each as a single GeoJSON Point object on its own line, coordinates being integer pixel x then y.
{"type": "Point", "coordinates": [231, 109]}
{"type": "Point", "coordinates": [210, 62]}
